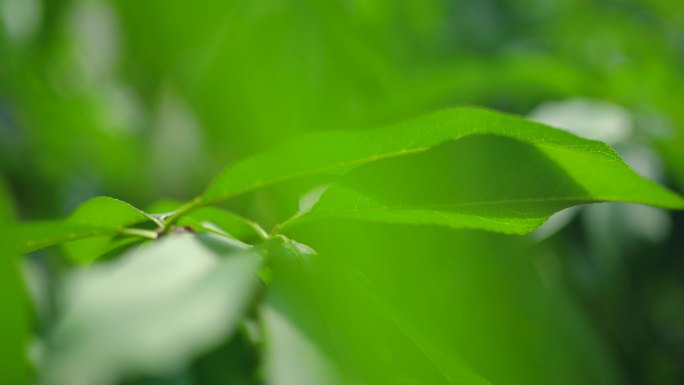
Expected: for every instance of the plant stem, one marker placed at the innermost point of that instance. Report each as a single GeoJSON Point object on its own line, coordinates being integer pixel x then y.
{"type": "Point", "coordinates": [184, 209]}
{"type": "Point", "coordinates": [157, 221]}
{"type": "Point", "coordinates": [149, 234]}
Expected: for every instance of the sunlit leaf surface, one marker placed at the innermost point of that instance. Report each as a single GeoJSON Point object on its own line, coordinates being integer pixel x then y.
{"type": "Point", "coordinates": [485, 182]}
{"type": "Point", "coordinates": [339, 152]}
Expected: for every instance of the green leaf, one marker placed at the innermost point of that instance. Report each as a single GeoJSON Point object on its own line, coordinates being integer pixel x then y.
{"type": "Point", "coordinates": [102, 211]}
{"type": "Point", "coordinates": [101, 218]}
{"type": "Point", "coordinates": [14, 323]}
{"type": "Point", "coordinates": [306, 344]}
{"type": "Point", "coordinates": [340, 152]}
{"type": "Point", "coordinates": [108, 212]}
{"type": "Point", "coordinates": [297, 337]}
{"type": "Point", "coordinates": [6, 207]}
{"type": "Point", "coordinates": [483, 182]}
{"type": "Point", "coordinates": [15, 319]}
{"type": "Point", "coordinates": [152, 310]}
{"type": "Point", "coordinates": [443, 359]}
{"type": "Point", "coordinates": [28, 237]}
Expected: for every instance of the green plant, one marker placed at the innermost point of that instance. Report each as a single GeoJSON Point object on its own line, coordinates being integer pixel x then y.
{"type": "Point", "coordinates": [461, 168]}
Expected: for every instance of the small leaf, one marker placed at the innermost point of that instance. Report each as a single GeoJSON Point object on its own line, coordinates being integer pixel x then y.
{"type": "Point", "coordinates": [100, 217]}
{"type": "Point", "coordinates": [105, 211]}
{"type": "Point", "coordinates": [150, 311]}
{"type": "Point", "coordinates": [28, 237]}
{"type": "Point", "coordinates": [108, 212]}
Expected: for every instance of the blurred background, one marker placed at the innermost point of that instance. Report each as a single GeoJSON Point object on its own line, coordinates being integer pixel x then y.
{"type": "Point", "coordinates": [143, 100]}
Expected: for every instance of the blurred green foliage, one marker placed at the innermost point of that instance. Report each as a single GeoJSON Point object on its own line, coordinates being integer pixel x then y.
{"type": "Point", "coordinates": [143, 100]}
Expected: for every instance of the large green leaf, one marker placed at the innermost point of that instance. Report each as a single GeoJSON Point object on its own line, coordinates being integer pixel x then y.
{"type": "Point", "coordinates": [298, 338]}
{"type": "Point", "coordinates": [14, 322]}
{"type": "Point", "coordinates": [339, 152]}
{"type": "Point", "coordinates": [471, 295]}
{"type": "Point", "coordinates": [307, 344]}
{"type": "Point", "coordinates": [6, 209]}
{"type": "Point", "coordinates": [484, 182]}
{"type": "Point", "coordinates": [443, 360]}
{"type": "Point", "coordinates": [150, 311]}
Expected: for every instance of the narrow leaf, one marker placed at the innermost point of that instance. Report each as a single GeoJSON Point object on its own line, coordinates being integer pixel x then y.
{"type": "Point", "coordinates": [100, 217]}
{"type": "Point", "coordinates": [28, 237]}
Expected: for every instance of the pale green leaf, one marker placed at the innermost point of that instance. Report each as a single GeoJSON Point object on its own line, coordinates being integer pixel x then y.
{"type": "Point", "coordinates": [150, 311]}
{"type": "Point", "coordinates": [340, 152]}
